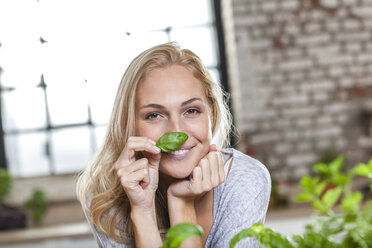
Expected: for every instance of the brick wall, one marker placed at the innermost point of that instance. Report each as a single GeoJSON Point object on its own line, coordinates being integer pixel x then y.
{"type": "Point", "coordinates": [305, 81]}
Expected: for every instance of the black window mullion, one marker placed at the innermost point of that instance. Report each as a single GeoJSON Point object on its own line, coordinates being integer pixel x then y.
{"type": "Point", "coordinates": [3, 161]}
{"type": "Point", "coordinates": [222, 65]}
{"type": "Point", "coordinates": [48, 144]}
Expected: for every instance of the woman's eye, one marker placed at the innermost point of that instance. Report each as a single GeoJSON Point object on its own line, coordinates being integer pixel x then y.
{"type": "Point", "coordinates": [152, 116]}
{"type": "Point", "coordinates": [192, 111]}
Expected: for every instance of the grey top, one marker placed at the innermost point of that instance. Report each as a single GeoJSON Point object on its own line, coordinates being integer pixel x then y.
{"type": "Point", "coordinates": [239, 202]}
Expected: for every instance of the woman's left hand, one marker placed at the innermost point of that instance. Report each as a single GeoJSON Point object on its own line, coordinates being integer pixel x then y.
{"type": "Point", "coordinates": [207, 175]}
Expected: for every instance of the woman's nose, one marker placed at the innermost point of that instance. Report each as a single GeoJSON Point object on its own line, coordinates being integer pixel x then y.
{"type": "Point", "coordinates": [175, 125]}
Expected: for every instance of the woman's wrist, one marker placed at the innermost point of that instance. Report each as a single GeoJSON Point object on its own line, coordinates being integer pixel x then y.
{"type": "Point", "coordinates": [145, 227]}
{"type": "Point", "coordinates": [181, 210]}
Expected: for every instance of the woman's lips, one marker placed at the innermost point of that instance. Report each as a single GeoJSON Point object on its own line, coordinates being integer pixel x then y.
{"type": "Point", "coordinates": [180, 153]}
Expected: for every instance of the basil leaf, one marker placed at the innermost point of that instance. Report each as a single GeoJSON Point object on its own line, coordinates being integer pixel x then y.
{"type": "Point", "coordinates": [179, 233]}
{"type": "Point", "coordinates": [171, 141]}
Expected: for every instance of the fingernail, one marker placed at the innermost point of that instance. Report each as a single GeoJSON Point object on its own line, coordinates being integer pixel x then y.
{"type": "Point", "coordinates": [156, 148]}
{"type": "Point", "coordinates": [152, 142]}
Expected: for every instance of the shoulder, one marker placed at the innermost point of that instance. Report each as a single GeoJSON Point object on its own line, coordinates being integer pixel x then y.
{"type": "Point", "coordinates": [248, 183]}
{"type": "Point", "coordinates": [241, 201]}
{"type": "Point", "coordinates": [244, 166]}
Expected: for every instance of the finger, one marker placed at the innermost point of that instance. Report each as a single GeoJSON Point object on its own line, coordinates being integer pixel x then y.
{"type": "Point", "coordinates": [197, 178]}
{"type": "Point", "coordinates": [214, 164]}
{"type": "Point", "coordinates": [132, 180]}
{"type": "Point", "coordinates": [206, 173]}
{"type": "Point", "coordinates": [212, 148]}
{"type": "Point", "coordinates": [221, 170]}
{"type": "Point", "coordinates": [154, 159]}
{"type": "Point", "coordinates": [137, 144]}
{"type": "Point", "coordinates": [137, 165]}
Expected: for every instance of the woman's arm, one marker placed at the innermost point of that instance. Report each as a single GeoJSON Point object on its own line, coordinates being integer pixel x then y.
{"type": "Point", "coordinates": [185, 194]}
{"type": "Point", "coordinates": [183, 210]}
{"type": "Point", "coordinates": [139, 179]}
{"type": "Point", "coordinates": [145, 228]}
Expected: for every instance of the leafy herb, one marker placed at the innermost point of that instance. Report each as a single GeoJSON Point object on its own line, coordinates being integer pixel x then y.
{"type": "Point", "coordinates": [171, 141]}
{"type": "Point", "coordinates": [179, 233]}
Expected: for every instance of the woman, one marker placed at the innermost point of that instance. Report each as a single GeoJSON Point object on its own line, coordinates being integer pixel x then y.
{"type": "Point", "coordinates": [132, 192]}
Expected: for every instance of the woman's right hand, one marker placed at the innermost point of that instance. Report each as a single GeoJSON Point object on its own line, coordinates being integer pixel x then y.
{"type": "Point", "coordinates": [139, 178]}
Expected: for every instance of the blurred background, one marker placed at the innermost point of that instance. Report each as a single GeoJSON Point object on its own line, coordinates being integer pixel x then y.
{"type": "Point", "coordinates": [298, 73]}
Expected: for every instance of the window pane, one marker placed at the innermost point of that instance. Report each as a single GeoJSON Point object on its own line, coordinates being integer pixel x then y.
{"type": "Point", "coordinates": [68, 105]}
{"type": "Point", "coordinates": [26, 154]}
{"type": "Point", "coordinates": [71, 149]}
{"type": "Point", "coordinates": [100, 135]}
{"type": "Point", "coordinates": [162, 13]}
{"type": "Point", "coordinates": [20, 45]}
{"type": "Point", "coordinates": [194, 12]}
{"type": "Point", "coordinates": [215, 74]}
{"type": "Point", "coordinates": [137, 42]}
{"type": "Point", "coordinates": [201, 41]}
{"type": "Point", "coordinates": [23, 109]}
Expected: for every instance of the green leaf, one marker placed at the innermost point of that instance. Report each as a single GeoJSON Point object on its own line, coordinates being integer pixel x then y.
{"type": "Point", "coordinates": [351, 202]}
{"type": "Point", "coordinates": [257, 227]}
{"type": "Point", "coordinates": [362, 170]}
{"type": "Point", "coordinates": [304, 197]}
{"type": "Point", "coordinates": [319, 206]}
{"type": "Point", "coordinates": [336, 164]}
{"type": "Point", "coordinates": [321, 168]}
{"type": "Point", "coordinates": [320, 188]}
{"type": "Point", "coordinates": [245, 233]}
{"type": "Point", "coordinates": [179, 233]}
{"type": "Point", "coordinates": [331, 196]}
{"type": "Point", "coordinates": [309, 183]}
{"type": "Point", "coordinates": [350, 217]}
{"type": "Point", "coordinates": [171, 141]}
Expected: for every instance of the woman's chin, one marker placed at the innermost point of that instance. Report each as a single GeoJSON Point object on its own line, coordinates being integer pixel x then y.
{"type": "Point", "coordinates": [179, 173]}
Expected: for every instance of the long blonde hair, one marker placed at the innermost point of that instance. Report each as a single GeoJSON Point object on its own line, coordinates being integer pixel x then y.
{"type": "Point", "coordinates": [99, 190]}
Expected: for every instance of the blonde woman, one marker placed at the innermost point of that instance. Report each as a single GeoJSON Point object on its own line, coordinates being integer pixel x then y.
{"type": "Point", "coordinates": [132, 192]}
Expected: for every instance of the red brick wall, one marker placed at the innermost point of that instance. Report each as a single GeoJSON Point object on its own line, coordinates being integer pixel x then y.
{"type": "Point", "coordinates": [305, 75]}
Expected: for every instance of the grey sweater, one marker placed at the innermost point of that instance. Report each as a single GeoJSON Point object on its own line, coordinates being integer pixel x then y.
{"type": "Point", "coordinates": [238, 203]}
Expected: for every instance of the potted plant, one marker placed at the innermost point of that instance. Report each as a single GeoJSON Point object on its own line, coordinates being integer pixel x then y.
{"type": "Point", "coordinates": [37, 205]}
{"type": "Point", "coordinates": [10, 217]}
{"type": "Point", "coordinates": [343, 226]}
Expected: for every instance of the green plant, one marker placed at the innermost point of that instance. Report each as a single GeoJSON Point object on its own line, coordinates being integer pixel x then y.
{"type": "Point", "coordinates": [331, 172]}
{"type": "Point", "coordinates": [6, 181]}
{"type": "Point", "coordinates": [347, 224]}
{"type": "Point", "coordinates": [37, 204]}
{"type": "Point", "coordinates": [171, 141]}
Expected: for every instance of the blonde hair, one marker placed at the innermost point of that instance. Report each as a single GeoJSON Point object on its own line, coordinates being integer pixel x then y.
{"type": "Point", "coordinates": [99, 190]}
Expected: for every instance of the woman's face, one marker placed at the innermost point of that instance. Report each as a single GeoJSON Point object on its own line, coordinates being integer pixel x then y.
{"type": "Point", "coordinates": [171, 99]}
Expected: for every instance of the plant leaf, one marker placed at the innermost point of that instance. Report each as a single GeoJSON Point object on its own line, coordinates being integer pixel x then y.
{"type": "Point", "coordinates": [351, 202]}
{"type": "Point", "coordinates": [171, 141]}
{"type": "Point", "coordinates": [321, 168]}
{"type": "Point", "coordinates": [304, 197]}
{"type": "Point", "coordinates": [245, 233]}
{"type": "Point", "coordinates": [331, 196]}
{"type": "Point", "coordinates": [319, 206]}
{"type": "Point", "coordinates": [362, 170]}
{"type": "Point", "coordinates": [320, 188]}
{"type": "Point", "coordinates": [336, 164]}
{"type": "Point", "coordinates": [179, 233]}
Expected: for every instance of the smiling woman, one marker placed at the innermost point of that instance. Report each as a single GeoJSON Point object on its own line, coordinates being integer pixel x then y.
{"type": "Point", "coordinates": [132, 193]}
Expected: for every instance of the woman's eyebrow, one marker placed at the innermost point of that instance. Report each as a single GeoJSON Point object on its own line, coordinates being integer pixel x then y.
{"type": "Point", "coordinates": [158, 106]}
{"type": "Point", "coordinates": [153, 105]}
{"type": "Point", "coordinates": [190, 101]}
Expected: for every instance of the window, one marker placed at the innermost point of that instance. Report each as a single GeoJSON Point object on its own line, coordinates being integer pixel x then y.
{"type": "Point", "coordinates": [61, 64]}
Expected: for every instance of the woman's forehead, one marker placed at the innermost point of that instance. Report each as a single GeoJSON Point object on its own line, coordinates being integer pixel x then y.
{"type": "Point", "coordinates": [174, 83]}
